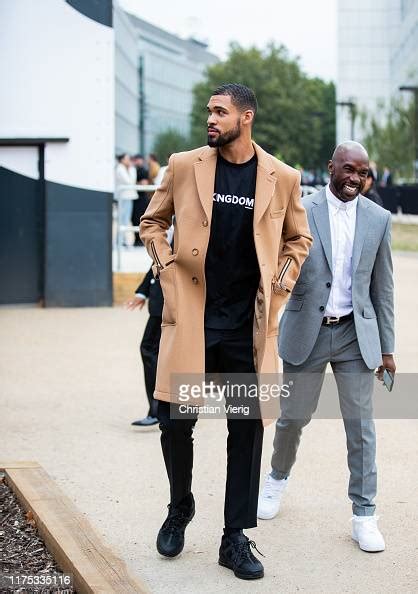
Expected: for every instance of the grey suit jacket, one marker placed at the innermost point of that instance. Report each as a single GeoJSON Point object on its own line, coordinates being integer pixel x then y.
{"type": "Point", "coordinates": [372, 284]}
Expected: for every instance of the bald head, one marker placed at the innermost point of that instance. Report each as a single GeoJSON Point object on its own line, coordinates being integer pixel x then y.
{"type": "Point", "coordinates": [348, 170]}
{"type": "Point", "coordinates": [350, 147]}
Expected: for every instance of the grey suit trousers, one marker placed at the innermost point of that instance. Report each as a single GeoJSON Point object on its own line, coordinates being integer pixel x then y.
{"type": "Point", "coordinates": [338, 346]}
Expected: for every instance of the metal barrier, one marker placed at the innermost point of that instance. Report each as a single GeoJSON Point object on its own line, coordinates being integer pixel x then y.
{"type": "Point", "coordinates": [121, 229]}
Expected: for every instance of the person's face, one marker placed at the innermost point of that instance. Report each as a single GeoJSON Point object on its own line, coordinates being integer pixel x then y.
{"type": "Point", "coordinates": [368, 184]}
{"type": "Point", "coordinates": [138, 162]}
{"type": "Point", "coordinates": [224, 121]}
{"type": "Point", "coordinates": [126, 160]}
{"type": "Point", "coordinates": [348, 174]}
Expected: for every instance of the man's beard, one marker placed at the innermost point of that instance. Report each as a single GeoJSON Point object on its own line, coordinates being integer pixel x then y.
{"type": "Point", "coordinates": [227, 137]}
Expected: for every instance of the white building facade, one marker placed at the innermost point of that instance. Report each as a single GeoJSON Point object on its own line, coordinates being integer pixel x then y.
{"type": "Point", "coordinates": [126, 84]}
{"type": "Point", "coordinates": [377, 53]}
{"type": "Point", "coordinates": [169, 69]}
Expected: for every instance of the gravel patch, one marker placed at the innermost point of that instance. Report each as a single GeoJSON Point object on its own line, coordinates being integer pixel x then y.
{"type": "Point", "coordinates": [22, 551]}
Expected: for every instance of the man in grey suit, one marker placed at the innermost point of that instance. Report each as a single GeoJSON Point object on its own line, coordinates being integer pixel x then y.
{"type": "Point", "coordinates": [340, 312]}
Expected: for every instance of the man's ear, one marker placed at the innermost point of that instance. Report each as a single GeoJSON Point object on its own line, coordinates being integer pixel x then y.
{"type": "Point", "coordinates": [330, 166]}
{"type": "Point", "coordinates": [247, 116]}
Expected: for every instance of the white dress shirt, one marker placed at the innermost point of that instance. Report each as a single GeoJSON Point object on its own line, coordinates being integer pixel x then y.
{"type": "Point", "coordinates": [342, 221]}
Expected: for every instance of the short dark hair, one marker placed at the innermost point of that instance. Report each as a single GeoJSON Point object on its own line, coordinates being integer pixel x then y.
{"type": "Point", "coordinates": [241, 96]}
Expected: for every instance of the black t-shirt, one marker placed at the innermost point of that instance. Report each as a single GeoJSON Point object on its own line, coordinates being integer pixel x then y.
{"type": "Point", "coordinates": [231, 267]}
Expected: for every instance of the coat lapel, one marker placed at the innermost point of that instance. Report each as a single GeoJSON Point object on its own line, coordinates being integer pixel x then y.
{"type": "Point", "coordinates": [362, 224]}
{"type": "Point", "coordinates": [321, 218]}
{"type": "Point", "coordinates": [265, 184]}
{"type": "Point", "coordinates": [204, 170]}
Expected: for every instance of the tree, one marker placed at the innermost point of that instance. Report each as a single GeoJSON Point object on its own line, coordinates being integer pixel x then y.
{"type": "Point", "coordinates": [296, 117]}
{"type": "Point", "coordinates": [392, 144]}
{"type": "Point", "coordinates": [168, 142]}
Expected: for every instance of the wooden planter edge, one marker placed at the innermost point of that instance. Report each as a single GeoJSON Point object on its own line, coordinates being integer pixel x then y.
{"type": "Point", "coordinates": [68, 535]}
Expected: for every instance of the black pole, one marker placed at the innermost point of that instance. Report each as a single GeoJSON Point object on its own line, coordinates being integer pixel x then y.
{"type": "Point", "coordinates": [353, 119]}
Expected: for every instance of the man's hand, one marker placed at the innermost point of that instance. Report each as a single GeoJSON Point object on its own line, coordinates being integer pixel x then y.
{"type": "Point", "coordinates": [135, 303]}
{"type": "Point", "coordinates": [389, 364]}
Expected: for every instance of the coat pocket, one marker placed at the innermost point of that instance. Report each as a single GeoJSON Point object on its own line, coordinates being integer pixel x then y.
{"type": "Point", "coordinates": [368, 312]}
{"type": "Point", "coordinates": [294, 305]}
{"type": "Point", "coordinates": [168, 286]}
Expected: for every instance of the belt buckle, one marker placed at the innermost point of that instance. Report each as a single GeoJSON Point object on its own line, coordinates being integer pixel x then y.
{"type": "Point", "coordinates": [330, 320]}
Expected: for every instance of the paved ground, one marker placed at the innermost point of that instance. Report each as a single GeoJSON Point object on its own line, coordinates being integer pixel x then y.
{"type": "Point", "coordinates": [71, 384]}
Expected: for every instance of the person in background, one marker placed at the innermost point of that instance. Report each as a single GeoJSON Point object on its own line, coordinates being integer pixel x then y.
{"type": "Point", "coordinates": [153, 167]}
{"type": "Point", "coordinates": [386, 180]}
{"type": "Point", "coordinates": [125, 175]}
{"type": "Point", "coordinates": [141, 203]}
{"type": "Point", "coordinates": [370, 189]}
{"type": "Point", "coordinates": [373, 169]}
{"type": "Point", "coordinates": [149, 288]}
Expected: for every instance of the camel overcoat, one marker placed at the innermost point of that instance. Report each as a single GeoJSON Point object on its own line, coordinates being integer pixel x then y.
{"type": "Point", "coordinates": [282, 240]}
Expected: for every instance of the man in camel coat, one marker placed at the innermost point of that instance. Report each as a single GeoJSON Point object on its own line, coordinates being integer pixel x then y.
{"type": "Point", "coordinates": [240, 239]}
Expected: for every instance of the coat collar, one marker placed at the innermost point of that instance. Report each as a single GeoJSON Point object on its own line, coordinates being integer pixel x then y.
{"type": "Point", "coordinates": [205, 168]}
{"type": "Point", "coordinates": [265, 160]}
{"type": "Point", "coordinates": [321, 218]}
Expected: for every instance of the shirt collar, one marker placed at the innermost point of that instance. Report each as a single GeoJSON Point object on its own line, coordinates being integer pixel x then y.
{"type": "Point", "coordinates": [336, 203]}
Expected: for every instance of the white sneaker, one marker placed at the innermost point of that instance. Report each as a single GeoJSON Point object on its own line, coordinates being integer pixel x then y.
{"type": "Point", "coordinates": [367, 534]}
{"type": "Point", "coordinates": [270, 498]}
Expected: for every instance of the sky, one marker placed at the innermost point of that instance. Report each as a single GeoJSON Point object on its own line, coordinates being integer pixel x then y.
{"type": "Point", "coordinates": [306, 27]}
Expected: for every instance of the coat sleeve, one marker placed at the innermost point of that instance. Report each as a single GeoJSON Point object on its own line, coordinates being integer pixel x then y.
{"type": "Point", "coordinates": [296, 240]}
{"type": "Point", "coordinates": [156, 221]}
{"type": "Point", "coordinates": [381, 291]}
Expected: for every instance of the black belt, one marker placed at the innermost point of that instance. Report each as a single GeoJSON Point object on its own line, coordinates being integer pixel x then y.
{"type": "Point", "coordinates": [334, 321]}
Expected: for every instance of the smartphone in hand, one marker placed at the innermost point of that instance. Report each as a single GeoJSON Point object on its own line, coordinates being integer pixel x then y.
{"type": "Point", "coordinates": [388, 379]}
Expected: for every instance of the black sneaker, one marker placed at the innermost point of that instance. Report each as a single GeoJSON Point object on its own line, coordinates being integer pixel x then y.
{"type": "Point", "coordinates": [170, 540]}
{"type": "Point", "coordinates": [235, 553]}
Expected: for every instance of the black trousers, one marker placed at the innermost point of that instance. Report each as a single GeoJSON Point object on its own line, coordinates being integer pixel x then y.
{"type": "Point", "coordinates": [149, 352]}
{"type": "Point", "coordinates": [226, 351]}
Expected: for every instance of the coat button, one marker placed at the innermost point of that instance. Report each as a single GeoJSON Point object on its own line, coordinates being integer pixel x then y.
{"type": "Point", "coordinates": [321, 308]}
{"type": "Point", "coordinates": [195, 280]}
{"type": "Point", "coordinates": [328, 285]}
{"type": "Point", "coordinates": [195, 252]}
{"type": "Point", "coordinates": [205, 223]}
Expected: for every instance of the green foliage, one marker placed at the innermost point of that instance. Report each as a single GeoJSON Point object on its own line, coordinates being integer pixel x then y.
{"type": "Point", "coordinates": [296, 116]}
{"type": "Point", "coordinates": [169, 142]}
{"type": "Point", "coordinates": [392, 144]}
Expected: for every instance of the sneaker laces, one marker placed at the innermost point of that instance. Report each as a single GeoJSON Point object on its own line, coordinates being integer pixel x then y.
{"type": "Point", "coordinates": [243, 550]}
{"type": "Point", "coordinates": [175, 520]}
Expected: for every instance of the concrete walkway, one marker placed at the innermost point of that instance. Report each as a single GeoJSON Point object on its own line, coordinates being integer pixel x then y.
{"type": "Point", "coordinates": [71, 383]}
